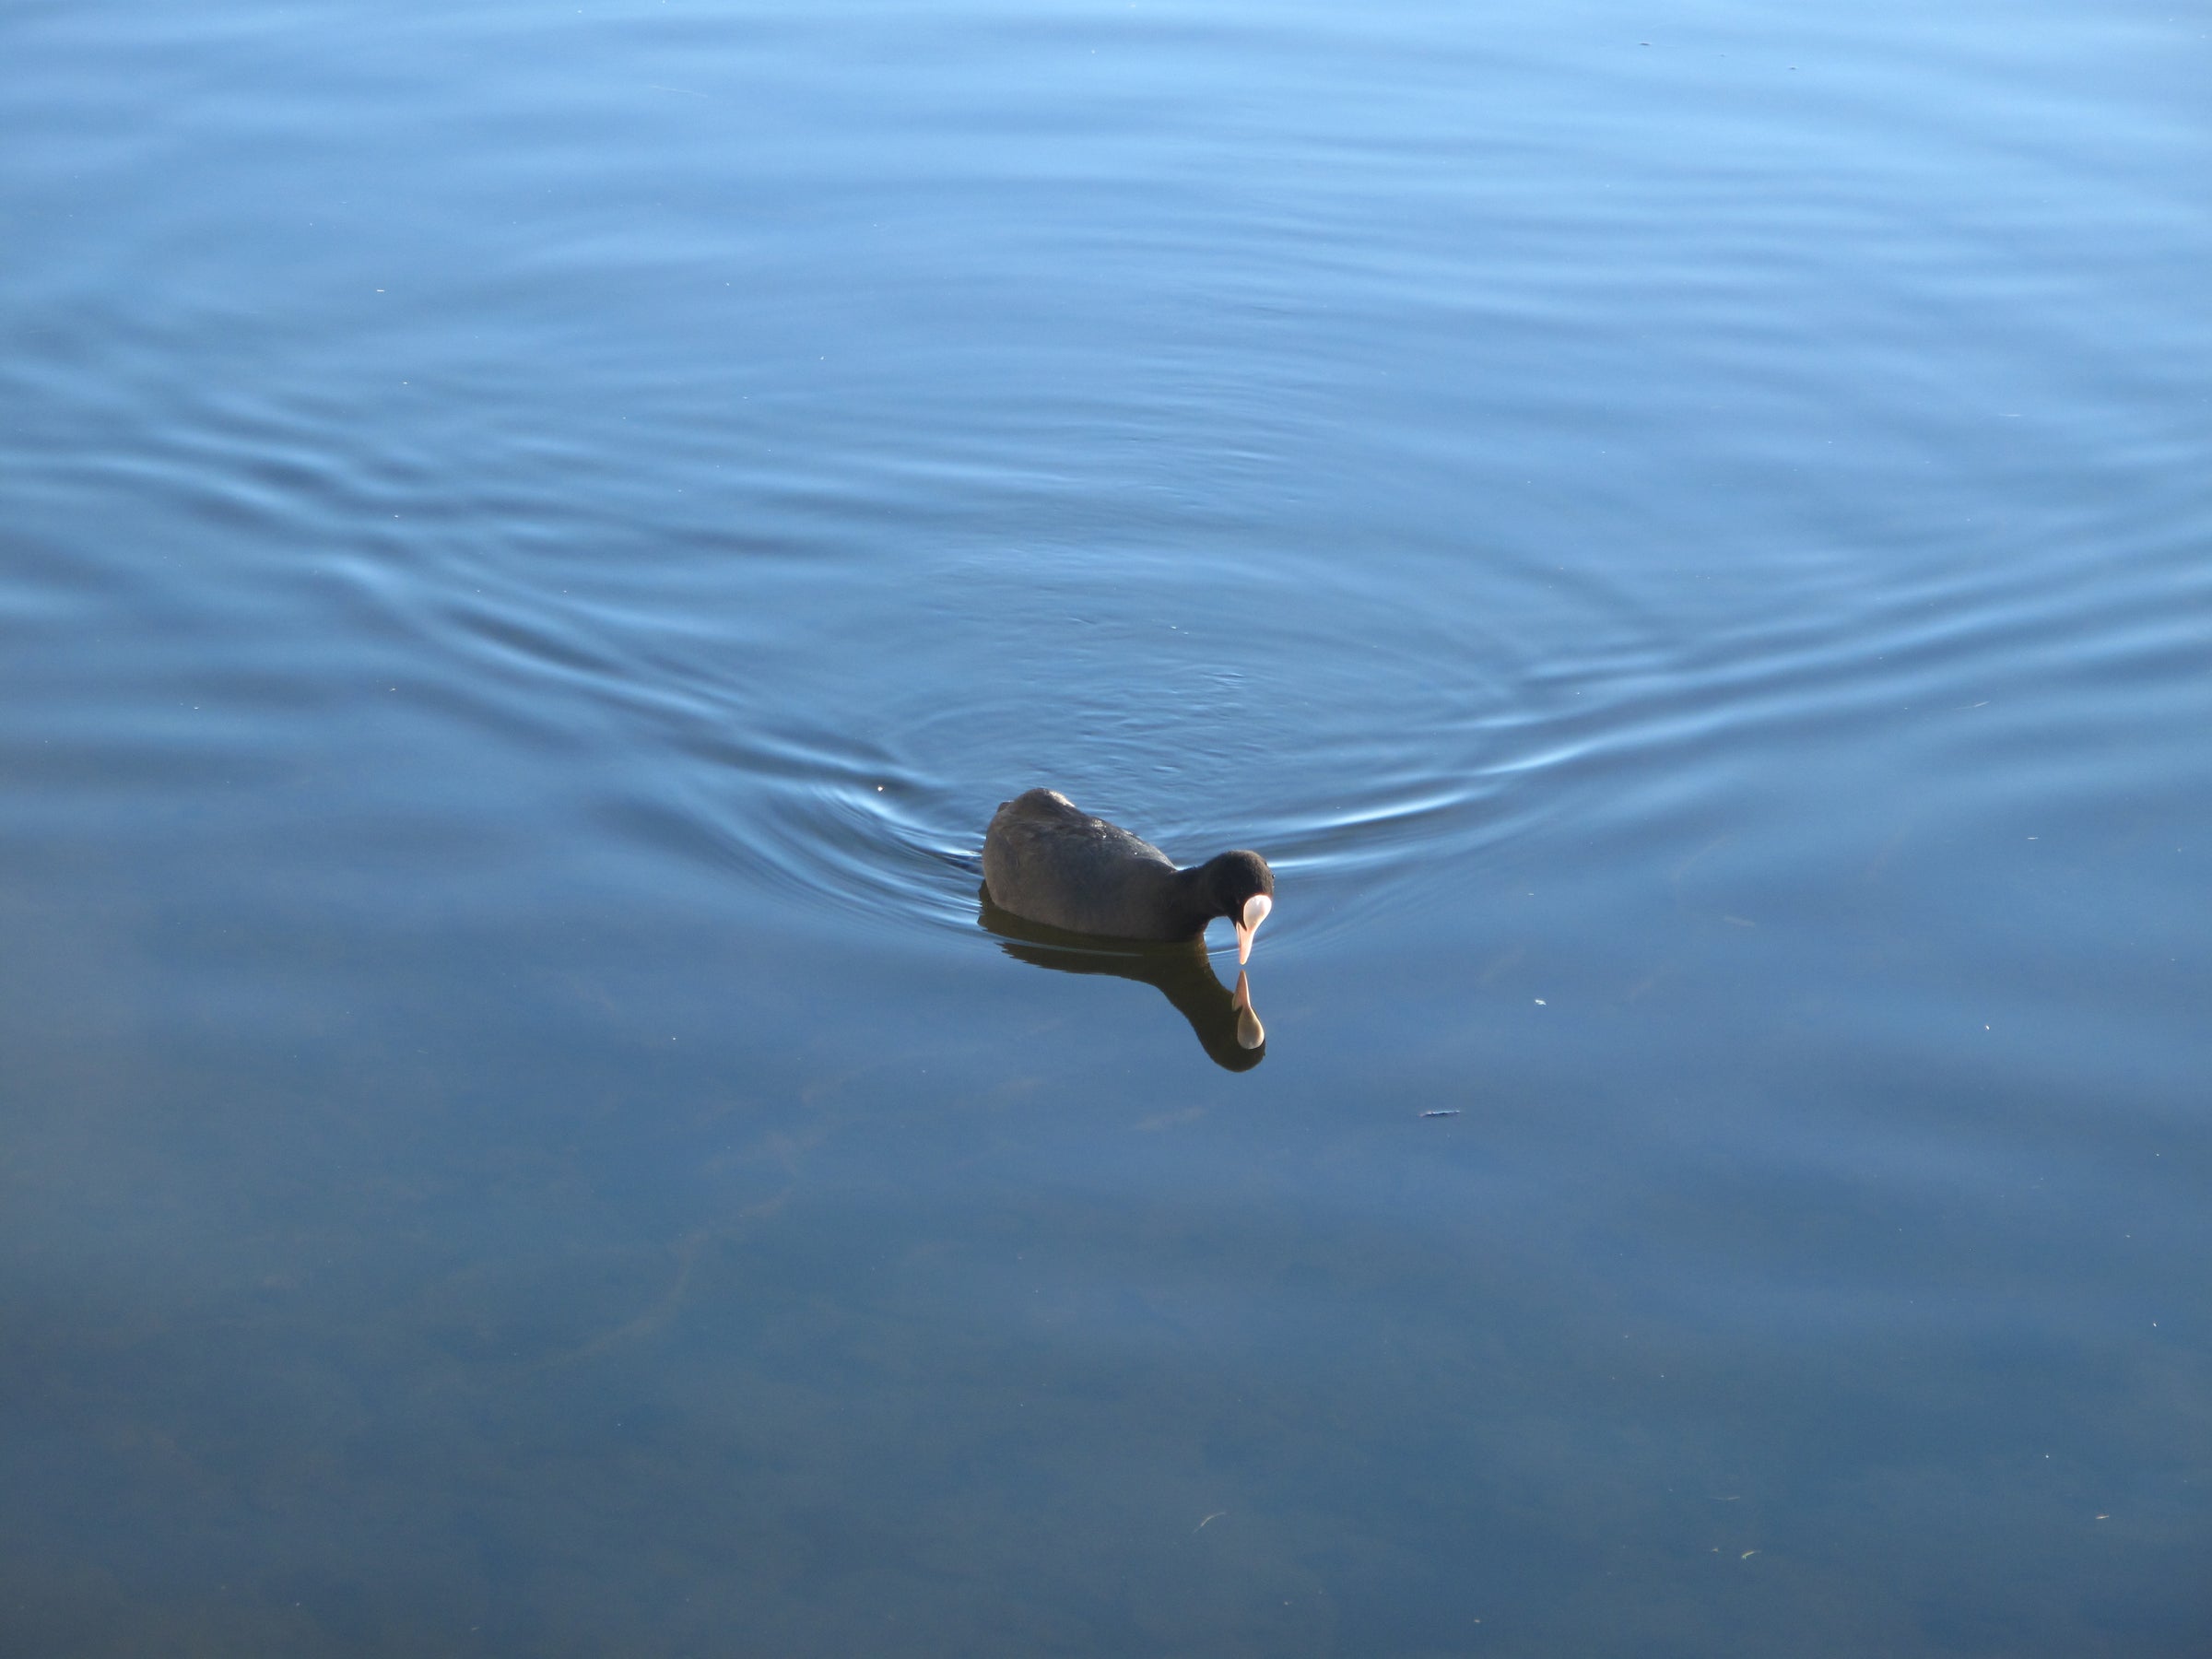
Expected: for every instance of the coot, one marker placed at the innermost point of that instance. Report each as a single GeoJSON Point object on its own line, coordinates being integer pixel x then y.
{"type": "Point", "coordinates": [1047, 859]}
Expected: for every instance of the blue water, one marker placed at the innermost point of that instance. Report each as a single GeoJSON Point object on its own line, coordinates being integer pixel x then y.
{"type": "Point", "coordinates": [532, 540]}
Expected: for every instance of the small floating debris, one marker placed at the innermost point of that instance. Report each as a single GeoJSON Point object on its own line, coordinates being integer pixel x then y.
{"type": "Point", "coordinates": [1446, 1111]}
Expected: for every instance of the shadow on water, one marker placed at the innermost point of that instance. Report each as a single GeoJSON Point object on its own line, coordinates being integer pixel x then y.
{"type": "Point", "coordinates": [1223, 1019]}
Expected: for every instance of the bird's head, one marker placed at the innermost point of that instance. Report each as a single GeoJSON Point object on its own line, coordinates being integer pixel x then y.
{"type": "Point", "coordinates": [1241, 887]}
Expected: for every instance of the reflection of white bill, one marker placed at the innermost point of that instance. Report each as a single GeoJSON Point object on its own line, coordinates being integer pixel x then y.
{"type": "Point", "coordinates": [1251, 1033]}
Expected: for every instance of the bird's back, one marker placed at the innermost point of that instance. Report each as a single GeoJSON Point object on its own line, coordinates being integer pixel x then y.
{"type": "Point", "coordinates": [1047, 859]}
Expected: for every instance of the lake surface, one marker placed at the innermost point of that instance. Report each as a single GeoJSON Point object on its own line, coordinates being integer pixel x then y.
{"type": "Point", "coordinates": [534, 537]}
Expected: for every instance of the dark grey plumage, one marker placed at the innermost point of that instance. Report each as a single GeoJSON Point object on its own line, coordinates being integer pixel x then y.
{"type": "Point", "coordinates": [1048, 860]}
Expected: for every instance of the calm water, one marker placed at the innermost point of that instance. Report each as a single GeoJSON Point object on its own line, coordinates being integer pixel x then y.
{"type": "Point", "coordinates": [532, 539]}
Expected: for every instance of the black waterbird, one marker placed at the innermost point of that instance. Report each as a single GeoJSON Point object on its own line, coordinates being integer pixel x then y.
{"type": "Point", "coordinates": [1047, 860]}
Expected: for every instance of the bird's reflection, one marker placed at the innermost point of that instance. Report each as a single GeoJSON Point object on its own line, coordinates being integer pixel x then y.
{"type": "Point", "coordinates": [1227, 1028]}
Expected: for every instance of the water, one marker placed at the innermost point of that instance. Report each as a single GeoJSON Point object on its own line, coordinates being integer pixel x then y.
{"type": "Point", "coordinates": [534, 539]}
